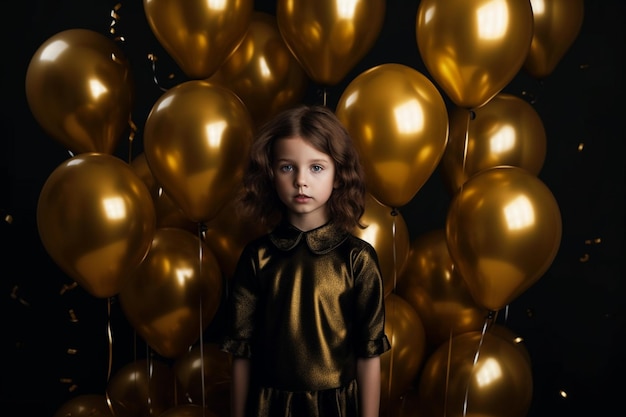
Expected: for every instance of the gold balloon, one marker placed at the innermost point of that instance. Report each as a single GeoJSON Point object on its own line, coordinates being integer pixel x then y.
{"type": "Point", "coordinates": [87, 405]}
{"type": "Point", "coordinates": [174, 293]}
{"type": "Point", "coordinates": [142, 389]}
{"type": "Point", "coordinates": [556, 26]}
{"type": "Point", "coordinates": [511, 337]}
{"type": "Point", "coordinates": [399, 124]}
{"type": "Point", "coordinates": [408, 406]}
{"type": "Point", "coordinates": [329, 37]}
{"type": "Point", "coordinates": [262, 71]}
{"type": "Point", "coordinates": [188, 410]}
{"type": "Point", "coordinates": [96, 221]}
{"type": "Point", "coordinates": [168, 214]}
{"type": "Point", "coordinates": [472, 378]}
{"type": "Point", "coordinates": [432, 286]}
{"type": "Point", "coordinates": [198, 34]}
{"type": "Point", "coordinates": [80, 90]}
{"type": "Point", "coordinates": [400, 365]}
{"type": "Point", "coordinates": [473, 49]}
{"type": "Point", "coordinates": [505, 131]}
{"type": "Point", "coordinates": [196, 140]}
{"type": "Point", "coordinates": [140, 166]}
{"type": "Point", "coordinates": [503, 231]}
{"type": "Point", "coordinates": [388, 233]}
{"type": "Point", "coordinates": [228, 233]}
{"type": "Point", "coordinates": [209, 367]}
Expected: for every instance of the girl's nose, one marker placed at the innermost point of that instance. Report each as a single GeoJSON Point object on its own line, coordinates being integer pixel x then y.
{"type": "Point", "coordinates": [300, 180]}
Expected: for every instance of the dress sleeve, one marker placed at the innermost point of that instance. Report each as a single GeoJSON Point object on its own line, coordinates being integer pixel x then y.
{"type": "Point", "coordinates": [241, 306]}
{"type": "Point", "coordinates": [370, 304]}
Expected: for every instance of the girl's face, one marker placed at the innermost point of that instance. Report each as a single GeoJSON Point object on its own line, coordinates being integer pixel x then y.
{"type": "Point", "coordinates": [304, 179]}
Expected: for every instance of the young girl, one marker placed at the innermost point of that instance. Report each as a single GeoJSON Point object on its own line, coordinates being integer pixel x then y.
{"type": "Point", "coordinates": [306, 307]}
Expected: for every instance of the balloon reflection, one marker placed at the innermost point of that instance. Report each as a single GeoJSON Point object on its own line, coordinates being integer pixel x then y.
{"type": "Point", "coordinates": [519, 213]}
{"type": "Point", "coordinates": [492, 20]}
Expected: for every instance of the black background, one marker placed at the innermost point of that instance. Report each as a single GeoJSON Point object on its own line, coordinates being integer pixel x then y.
{"type": "Point", "coordinates": [572, 319]}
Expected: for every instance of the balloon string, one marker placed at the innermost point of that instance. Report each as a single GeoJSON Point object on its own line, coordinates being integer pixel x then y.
{"type": "Point", "coordinates": [202, 382]}
{"type": "Point", "coordinates": [463, 167]}
{"type": "Point", "coordinates": [391, 352]}
{"type": "Point", "coordinates": [324, 97]}
{"type": "Point", "coordinates": [153, 59]}
{"type": "Point", "coordinates": [110, 340]}
{"type": "Point", "coordinates": [202, 227]}
{"type": "Point", "coordinates": [150, 372]}
{"type": "Point", "coordinates": [471, 116]}
{"type": "Point", "coordinates": [488, 320]}
{"type": "Point", "coordinates": [131, 137]}
{"type": "Point", "coordinates": [394, 214]}
{"type": "Point", "coordinates": [448, 366]}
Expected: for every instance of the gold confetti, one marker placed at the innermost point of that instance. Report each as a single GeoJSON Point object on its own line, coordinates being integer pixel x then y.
{"type": "Point", "coordinates": [16, 297]}
{"type": "Point", "coordinates": [73, 317]}
{"type": "Point", "coordinates": [66, 288]}
{"type": "Point", "coordinates": [595, 241]}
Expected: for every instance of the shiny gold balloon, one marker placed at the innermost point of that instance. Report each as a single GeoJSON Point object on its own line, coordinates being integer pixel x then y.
{"type": "Point", "coordinates": [505, 131]}
{"type": "Point", "coordinates": [80, 90]}
{"type": "Point", "coordinates": [140, 166]}
{"type": "Point", "coordinates": [196, 140]}
{"type": "Point", "coordinates": [96, 221]}
{"type": "Point", "coordinates": [188, 410]}
{"type": "Point", "coordinates": [329, 37]}
{"type": "Point", "coordinates": [510, 336]}
{"type": "Point", "coordinates": [399, 123]}
{"type": "Point", "coordinates": [198, 34]}
{"type": "Point", "coordinates": [388, 233]}
{"type": "Point", "coordinates": [499, 383]}
{"type": "Point", "coordinates": [262, 71]}
{"type": "Point", "coordinates": [174, 293]}
{"type": "Point", "coordinates": [401, 364]}
{"type": "Point", "coordinates": [206, 367]}
{"type": "Point", "coordinates": [473, 49]}
{"type": "Point", "coordinates": [142, 388]}
{"type": "Point", "coordinates": [503, 231]}
{"type": "Point", "coordinates": [228, 233]}
{"type": "Point", "coordinates": [168, 214]}
{"type": "Point", "coordinates": [408, 406]}
{"type": "Point", "coordinates": [432, 286]}
{"type": "Point", "coordinates": [87, 405]}
{"type": "Point", "coordinates": [556, 26]}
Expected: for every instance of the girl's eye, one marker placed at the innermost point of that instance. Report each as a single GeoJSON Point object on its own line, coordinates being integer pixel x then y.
{"type": "Point", "coordinates": [317, 168]}
{"type": "Point", "coordinates": [286, 168]}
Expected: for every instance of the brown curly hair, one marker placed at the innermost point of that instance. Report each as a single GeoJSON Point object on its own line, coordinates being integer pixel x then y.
{"type": "Point", "coordinates": [321, 128]}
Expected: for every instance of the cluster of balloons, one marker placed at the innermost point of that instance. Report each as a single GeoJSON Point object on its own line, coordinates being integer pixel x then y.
{"type": "Point", "coordinates": [159, 231]}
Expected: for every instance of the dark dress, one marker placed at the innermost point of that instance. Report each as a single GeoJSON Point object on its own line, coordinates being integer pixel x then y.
{"type": "Point", "coordinates": [303, 306]}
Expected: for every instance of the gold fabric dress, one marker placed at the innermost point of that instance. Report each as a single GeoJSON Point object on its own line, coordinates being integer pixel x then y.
{"type": "Point", "coordinates": [303, 306]}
